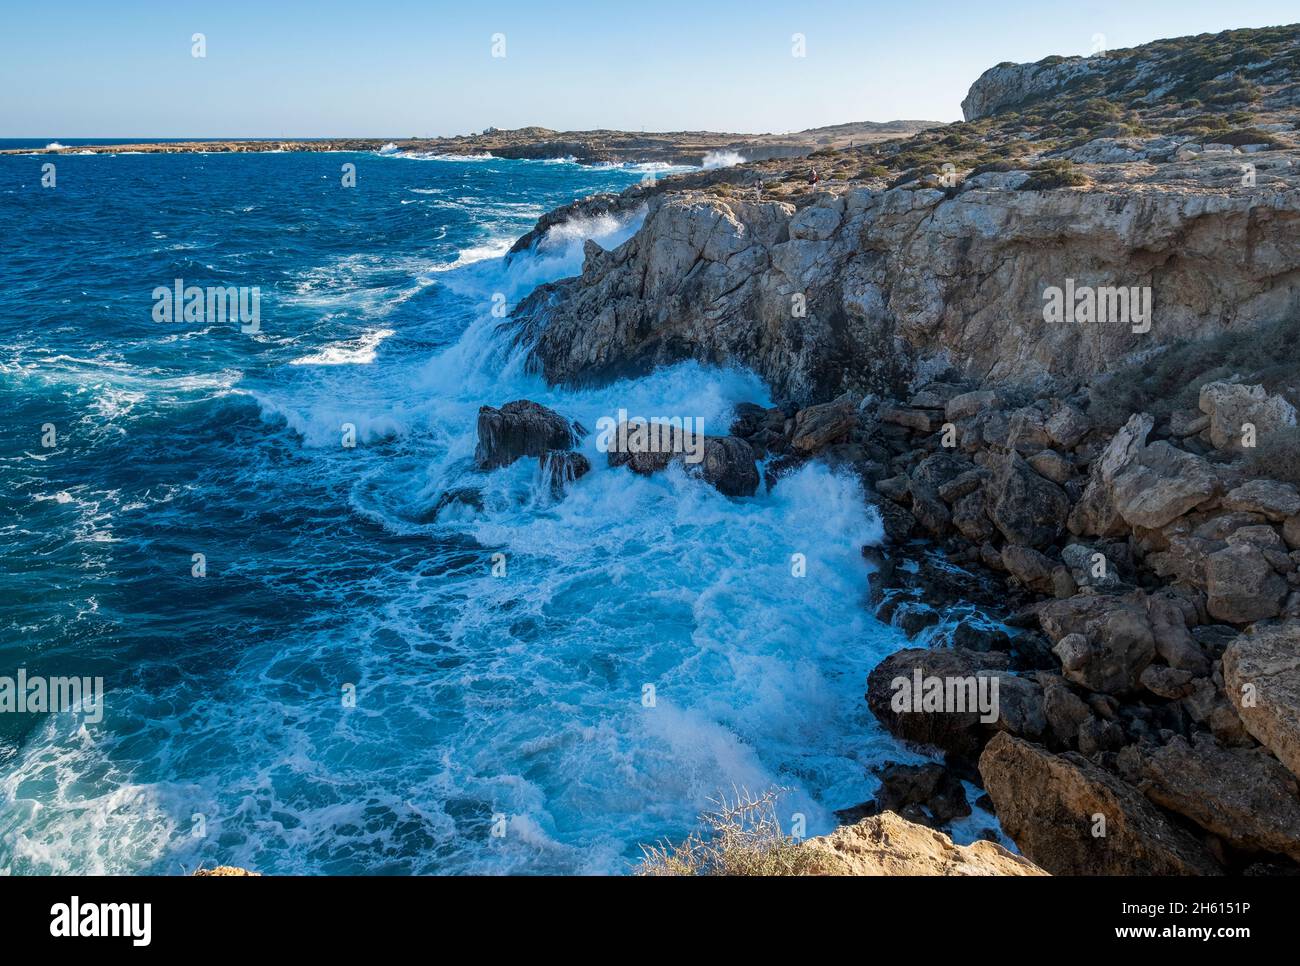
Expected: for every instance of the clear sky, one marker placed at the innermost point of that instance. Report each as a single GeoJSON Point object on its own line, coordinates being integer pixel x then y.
{"type": "Point", "coordinates": [281, 68]}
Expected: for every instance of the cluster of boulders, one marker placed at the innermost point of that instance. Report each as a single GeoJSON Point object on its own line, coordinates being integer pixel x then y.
{"type": "Point", "coordinates": [1148, 666]}
{"type": "Point", "coordinates": [523, 429]}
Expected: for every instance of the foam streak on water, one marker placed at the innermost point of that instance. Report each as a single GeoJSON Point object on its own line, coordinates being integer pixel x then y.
{"type": "Point", "coordinates": [477, 696]}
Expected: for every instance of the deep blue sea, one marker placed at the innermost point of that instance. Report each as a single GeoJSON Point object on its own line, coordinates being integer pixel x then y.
{"type": "Point", "coordinates": [510, 702]}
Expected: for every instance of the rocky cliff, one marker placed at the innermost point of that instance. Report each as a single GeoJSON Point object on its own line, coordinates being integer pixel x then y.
{"type": "Point", "coordinates": [924, 254]}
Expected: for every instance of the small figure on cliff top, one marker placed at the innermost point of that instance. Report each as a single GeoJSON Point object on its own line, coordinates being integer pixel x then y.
{"type": "Point", "coordinates": [812, 176]}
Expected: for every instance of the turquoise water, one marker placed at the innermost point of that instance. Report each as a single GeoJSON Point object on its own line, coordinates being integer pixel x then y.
{"type": "Point", "coordinates": [510, 702]}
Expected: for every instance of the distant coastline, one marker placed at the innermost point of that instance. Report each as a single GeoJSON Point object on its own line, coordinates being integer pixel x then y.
{"type": "Point", "coordinates": [529, 143]}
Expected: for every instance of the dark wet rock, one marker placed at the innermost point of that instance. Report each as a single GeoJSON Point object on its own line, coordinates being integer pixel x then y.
{"type": "Point", "coordinates": [897, 521]}
{"type": "Point", "coordinates": [912, 618]}
{"type": "Point", "coordinates": [897, 488]}
{"type": "Point", "coordinates": [559, 468]}
{"type": "Point", "coordinates": [973, 637]}
{"type": "Point", "coordinates": [729, 466]}
{"type": "Point", "coordinates": [959, 731]}
{"type": "Point", "coordinates": [780, 467]}
{"type": "Point", "coordinates": [929, 791]}
{"type": "Point", "coordinates": [1028, 509]}
{"type": "Point", "coordinates": [521, 428]}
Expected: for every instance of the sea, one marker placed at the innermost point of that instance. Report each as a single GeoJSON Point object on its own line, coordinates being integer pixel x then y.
{"type": "Point", "coordinates": [304, 669]}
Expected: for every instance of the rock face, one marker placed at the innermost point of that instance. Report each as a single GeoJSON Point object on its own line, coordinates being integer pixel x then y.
{"type": "Point", "coordinates": [886, 844]}
{"type": "Point", "coordinates": [521, 428]}
{"type": "Point", "coordinates": [858, 290]}
{"type": "Point", "coordinates": [1261, 674]}
{"type": "Point", "coordinates": [1054, 806]}
{"type": "Point", "coordinates": [1009, 84]}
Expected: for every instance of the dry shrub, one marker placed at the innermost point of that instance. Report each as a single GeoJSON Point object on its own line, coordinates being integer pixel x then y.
{"type": "Point", "coordinates": [742, 836]}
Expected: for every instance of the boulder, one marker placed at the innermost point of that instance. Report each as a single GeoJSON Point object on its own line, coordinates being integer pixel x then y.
{"type": "Point", "coordinates": [1231, 407]}
{"type": "Point", "coordinates": [1104, 642]}
{"type": "Point", "coordinates": [1174, 642]}
{"type": "Point", "coordinates": [929, 510]}
{"type": "Point", "coordinates": [936, 471]}
{"type": "Point", "coordinates": [928, 793]}
{"type": "Point", "coordinates": [816, 427]}
{"type": "Point", "coordinates": [960, 730]}
{"type": "Point", "coordinates": [1054, 806]}
{"type": "Point", "coordinates": [1161, 484]}
{"type": "Point", "coordinates": [897, 522]}
{"type": "Point", "coordinates": [729, 465]}
{"type": "Point", "coordinates": [1291, 532]}
{"type": "Point", "coordinates": [887, 844]}
{"type": "Point", "coordinates": [917, 420]}
{"type": "Point", "coordinates": [1096, 514]}
{"type": "Point", "coordinates": [1242, 795]}
{"type": "Point", "coordinates": [1067, 426]}
{"type": "Point", "coordinates": [1052, 465]}
{"type": "Point", "coordinates": [1242, 586]}
{"type": "Point", "coordinates": [521, 428]}
{"type": "Point", "coordinates": [969, 404]}
{"type": "Point", "coordinates": [970, 517]}
{"type": "Point", "coordinates": [1027, 432]}
{"type": "Point", "coordinates": [1031, 568]}
{"type": "Point", "coordinates": [1028, 509]}
{"type": "Point", "coordinates": [1065, 711]}
{"type": "Point", "coordinates": [1261, 676]}
{"type": "Point", "coordinates": [1274, 500]}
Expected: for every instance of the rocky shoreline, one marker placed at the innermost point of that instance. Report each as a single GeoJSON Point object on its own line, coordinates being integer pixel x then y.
{"type": "Point", "coordinates": [1098, 513]}
{"type": "Point", "coordinates": [539, 143]}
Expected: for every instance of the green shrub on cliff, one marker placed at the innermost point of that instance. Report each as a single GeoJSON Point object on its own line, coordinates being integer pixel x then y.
{"type": "Point", "coordinates": [1054, 174]}
{"type": "Point", "coordinates": [1172, 378]}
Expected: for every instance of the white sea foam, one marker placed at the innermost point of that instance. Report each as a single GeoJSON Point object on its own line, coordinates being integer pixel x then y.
{"type": "Point", "coordinates": [722, 159]}
{"type": "Point", "coordinates": [354, 352]}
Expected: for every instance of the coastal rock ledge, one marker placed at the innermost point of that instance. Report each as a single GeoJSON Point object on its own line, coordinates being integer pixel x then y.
{"type": "Point", "coordinates": [887, 844]}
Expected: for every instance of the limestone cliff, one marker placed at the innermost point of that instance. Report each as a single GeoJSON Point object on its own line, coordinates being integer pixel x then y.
{"type": "Point", "coordinates": [861, 281]}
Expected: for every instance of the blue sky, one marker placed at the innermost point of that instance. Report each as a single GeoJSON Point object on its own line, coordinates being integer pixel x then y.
{"type": "Point", "coordinates": [278, 68]}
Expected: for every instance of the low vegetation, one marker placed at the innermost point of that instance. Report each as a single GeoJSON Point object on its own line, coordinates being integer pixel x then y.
{"type": "Point", "coordinates": [741, 836]}
{"type": "Point", "coordinates": [1172, 379]}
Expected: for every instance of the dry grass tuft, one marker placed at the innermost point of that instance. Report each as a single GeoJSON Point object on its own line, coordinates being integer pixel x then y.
{"type": "Point", "coordinates": [742, 836]}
